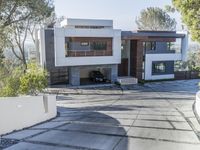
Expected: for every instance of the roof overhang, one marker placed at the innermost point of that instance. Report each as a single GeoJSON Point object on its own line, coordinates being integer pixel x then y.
{"type": "Point", "coordinates": [142, 35]}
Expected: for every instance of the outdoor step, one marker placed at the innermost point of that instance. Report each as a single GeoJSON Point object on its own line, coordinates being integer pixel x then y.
{"type": "Point", "coordinates": [127, 80]}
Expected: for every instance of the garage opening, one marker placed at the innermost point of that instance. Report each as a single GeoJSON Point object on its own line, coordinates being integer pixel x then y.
{"type": "Point", "coordinates": [95, 75]}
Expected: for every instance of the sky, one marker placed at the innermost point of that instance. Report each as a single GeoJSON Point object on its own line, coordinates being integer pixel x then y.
{"type": "Point", "coordinates": [122, 12]}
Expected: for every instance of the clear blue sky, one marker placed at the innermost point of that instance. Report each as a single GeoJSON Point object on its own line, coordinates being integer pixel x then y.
{"type": "Point", "coordinates": [123, 12]}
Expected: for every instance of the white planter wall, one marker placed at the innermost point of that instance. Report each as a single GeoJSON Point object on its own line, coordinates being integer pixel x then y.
{"type": "Point", "coordinates": [20, 112]}
{"type": "Point", "coordinates": [197, 104]}
{"type": "Point", "coordinates": [158, 57]}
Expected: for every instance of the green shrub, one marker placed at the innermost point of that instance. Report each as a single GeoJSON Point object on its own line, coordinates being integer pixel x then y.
{"type": "Point", "coordinates": [34, 80]}
{"type": "Point", "coordinates": [15, 82]}
{"type": "Point", "coordinates": [11, 88]}
{"type": "Point", "coordinates": [10, 82]}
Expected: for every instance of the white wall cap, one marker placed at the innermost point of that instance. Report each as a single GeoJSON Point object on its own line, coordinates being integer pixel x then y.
{"type": "Point", "coordinates": [87, 22]}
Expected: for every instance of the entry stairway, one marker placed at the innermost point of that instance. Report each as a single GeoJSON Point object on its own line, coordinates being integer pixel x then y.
{"type": "Point", "coordinates": [127, 80]}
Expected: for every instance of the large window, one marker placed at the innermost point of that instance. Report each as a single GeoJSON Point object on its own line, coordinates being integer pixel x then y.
{"type": "Point", "coordinates": [88, 46]}
{"type": "Point", "coordinates": [98, 45]}
{"type": "Point", "coordinates": [174, 46]}
{"type": "Point", "coordinates": [149, 46]}
{"type": "Point", "coordinates": [124, 50]}
{"type": "Point", "coordinates": [158, 67]}
{"type": "Point", "coordinates": [170, 46]}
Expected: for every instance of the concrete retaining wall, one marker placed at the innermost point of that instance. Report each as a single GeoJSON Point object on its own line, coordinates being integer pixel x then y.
{"type": "Point", "coordinates": [197, 105]}
{"type": "Point", "coordinates": [17, 113]}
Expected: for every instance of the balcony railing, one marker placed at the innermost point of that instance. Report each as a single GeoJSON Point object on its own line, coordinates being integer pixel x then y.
{"type": "Point", "coordinates": [81, 53]}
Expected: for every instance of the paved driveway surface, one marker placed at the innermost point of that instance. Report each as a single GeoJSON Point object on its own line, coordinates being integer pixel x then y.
{"type": "Point", "coordinates": [157, 116]}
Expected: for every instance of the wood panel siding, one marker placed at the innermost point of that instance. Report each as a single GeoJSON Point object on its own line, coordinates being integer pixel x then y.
{"type": "Point", "coordinates": [136, 58]}
{"type": "Point", "coordinates": [123, 67]}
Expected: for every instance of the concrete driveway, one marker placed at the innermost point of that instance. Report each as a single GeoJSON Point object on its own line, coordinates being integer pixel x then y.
{"type": "Point", "coordinates": [157, 116]}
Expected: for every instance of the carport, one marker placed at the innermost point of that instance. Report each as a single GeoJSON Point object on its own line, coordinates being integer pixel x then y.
{"type": "Point", "coordinates": [85, 74]}
{"type": "Point", "coordinates": [80, 75]}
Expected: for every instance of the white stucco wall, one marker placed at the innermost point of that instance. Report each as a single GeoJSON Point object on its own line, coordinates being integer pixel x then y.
{"type": "Point", "coordinates": [149, 58]}
{"type": "Point", "coordinates": [71, 22]}
{"type": "Point", "coordinates": [61, 60]}
{"type": "Point", "coordinates": [197, 104]}
{"type": "Point", "coordinates": [41, 46]}
{"type": "Point", "coordinates": [184, 44]}
{"type": "Point", "coordinates": [20, 112]}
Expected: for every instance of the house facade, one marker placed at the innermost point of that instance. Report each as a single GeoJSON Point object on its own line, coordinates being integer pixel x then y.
{"type": "Point", "coordinates": [80, 46]}
{"type": "Point", "coordinates": [150, 55]}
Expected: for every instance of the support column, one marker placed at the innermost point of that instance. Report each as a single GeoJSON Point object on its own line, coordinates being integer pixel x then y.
{"type": "Point", "coordinates": [74, 76]}
{"type": "Point", "coordinates": [114, 73]}
{"type": "Point", "coordinates": [111, 72]}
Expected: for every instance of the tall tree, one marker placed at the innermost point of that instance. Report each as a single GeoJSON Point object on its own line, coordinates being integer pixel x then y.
{"type": "Point", "coordinates": [13, 11]}
{"type": "Point", "coordinates": [3, 43]}
{"type": "Point", "coordinates": [190, 11]}
{"type": "Point", "coordinates": [18, 39]}
{"type": "Point", "coordinates": [21, 18]}
{"type": "Point", "coordinates": [1, 57]}
{"type": "Point", "coordinates": [154, 18]}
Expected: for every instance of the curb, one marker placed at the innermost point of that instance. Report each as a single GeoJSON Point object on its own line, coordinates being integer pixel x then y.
{"type": "Point", "coordinates": [197, 105]}
{"type": "Point", "coordinates": [195, 112]}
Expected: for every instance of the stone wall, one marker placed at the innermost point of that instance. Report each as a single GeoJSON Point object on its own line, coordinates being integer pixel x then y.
{"type": "Point", "coordinates": [184, 75]}
{"type": "Point", "coordinates": [56, 74]}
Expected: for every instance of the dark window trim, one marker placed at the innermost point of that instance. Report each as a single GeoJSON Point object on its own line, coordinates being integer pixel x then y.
{"type": "Point", "coordinates": [89, 27]}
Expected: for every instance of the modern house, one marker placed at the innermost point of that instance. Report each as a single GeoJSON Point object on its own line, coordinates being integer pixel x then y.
{"type": "Point", "coordinates": [80, 46]}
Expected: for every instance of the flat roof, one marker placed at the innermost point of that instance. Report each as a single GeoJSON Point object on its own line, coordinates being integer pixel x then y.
{"type": "Point", "coordinates": [87, 22]}
{"type": "Point", "coordinates": [151, 34]}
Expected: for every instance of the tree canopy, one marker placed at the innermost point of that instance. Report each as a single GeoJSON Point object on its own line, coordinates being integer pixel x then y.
{"type": "Point", "coordinates": [12, 11]}
{"type": "Point", "coordinates": [190, 11]}
{"type": "Point", "coordinates": [17, 11]}
{"type": "Point", "coordinates": [156, 19]}
{"type": "Point", "coordinates": [18, 18]}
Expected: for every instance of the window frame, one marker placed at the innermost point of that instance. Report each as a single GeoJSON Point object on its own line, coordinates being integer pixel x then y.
{"type": "Point", "coordinates": [100, 44]}
{"type": "Point", "coordinates": [157, 68]}
{"type": "Point", "coordinates": [152, 45]}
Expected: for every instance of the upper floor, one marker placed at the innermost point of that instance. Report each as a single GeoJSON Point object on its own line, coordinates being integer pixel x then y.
{"type": "Point", "coordinates": [95, 42]}
{"type": "Point", "coordinates": [87, 42]}
{"type": "Point", "coordinates": [159, 42]}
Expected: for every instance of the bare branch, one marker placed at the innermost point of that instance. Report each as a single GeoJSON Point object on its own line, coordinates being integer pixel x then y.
{"type": "Point", "coordinates": [1, 3]}
{"type": "Point", "coordinates": [15, 21]}
{"type": "Point", "coordinates": [17, 56]}
{"type": "Point", "coordinates": [32, 32]}
{"type": "Point", "coordinates": [12, 11]}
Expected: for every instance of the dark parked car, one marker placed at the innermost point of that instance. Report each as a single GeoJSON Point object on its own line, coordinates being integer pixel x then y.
{"type": "Point", "coordinates": [97, 76]}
